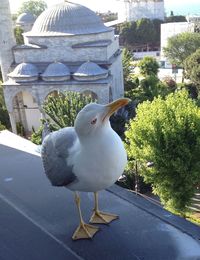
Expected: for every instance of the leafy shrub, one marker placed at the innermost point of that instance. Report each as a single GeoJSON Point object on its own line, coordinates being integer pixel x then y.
{"type": "Point", "coordinates": [36, 136]}
{"type": "Point", "coordinates": [191, 88]}
{"type": "Point", "coordinates": [166, 133]}
{"type": "Point", "coordinates": [148, 66]}
{"type": "Point", "coordinates": [62, 110]}
{"type": "Point", "coordinates": [18, 32]}
{"type": "Point", "coordinates": [148, 88]}
{"type": "Point", "coordinates": [192, 67]}
{"type": "Point", "coordinates": [2, 127]}
{"type": "Point", "coordinates": [20, 129]}
{"type": "Point", "coordinates": [4, 117]}
{"type": "Point", "coordinates": [121, 117]}
{"type": "Point", "coordinates": [171, 83]}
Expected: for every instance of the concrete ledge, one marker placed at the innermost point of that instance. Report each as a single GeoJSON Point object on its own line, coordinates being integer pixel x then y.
{"type": "Point", "coordinates": [157, 211]}
{"type": "Point", "coordinates": [38, 220]}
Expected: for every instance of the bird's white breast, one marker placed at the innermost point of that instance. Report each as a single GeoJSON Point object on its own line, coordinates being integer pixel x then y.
{"type": "Point", "coordinates": [99, 162]}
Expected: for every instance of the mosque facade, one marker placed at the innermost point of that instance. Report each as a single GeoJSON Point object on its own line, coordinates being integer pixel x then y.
{"type": "Point", "coordinates": [68, 49]}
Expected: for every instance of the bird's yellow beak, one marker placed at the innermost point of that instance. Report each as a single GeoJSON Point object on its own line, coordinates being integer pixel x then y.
{"type": "Point", "coordinates": [114, 106]}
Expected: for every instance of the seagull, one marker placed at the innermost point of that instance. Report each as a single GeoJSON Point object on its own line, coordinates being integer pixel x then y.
{"type": "Point", "coordinates": [88, 157]}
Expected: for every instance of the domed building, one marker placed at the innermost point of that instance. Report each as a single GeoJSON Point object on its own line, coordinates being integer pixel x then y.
{"type": "Point", "coordinates": [90, 71]}
{"type": "Point", "coordinates": [56, 71]}
{"type": "Point", "coordinates": [25, 21]}
{"type": "Point", "coordinates": [24, 72]}
{"type": "Point", "coordinates": [71, 50]}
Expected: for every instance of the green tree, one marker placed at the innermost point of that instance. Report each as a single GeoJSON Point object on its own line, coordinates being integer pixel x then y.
{"type": "Point", "coordinates": [175, 18]}
{"type": "Point", "coordinates": [145, 31]}
{"type": "Point", "coordinates": [157, 24]}
{"type": "Point", "coordinates": [18, 35]}
{"type": "Point", "coordinates": [197, 27]}
{"type": "Point", "coordinates": [147, 89]}
{"type": "Point", "coordinates": [127, 58]}
{"type": "Point", "coordinates": [166, 135]}
{"type": "Point", "coordinates": [62, 110]}
{"type": "Point", "coordinates": [4, 117]}
{"type": "Point", "coordinates": [126, 33]}
{"type": "Point", "coordinates": [35, 7]}
{"type": "Point", "coordinates": [14, 17]}
{"type": "Point", "coordinates": [148, 66]}
{"type": "Point", "coordinates": [192, 67]}
{"type": "Point", "coordinates": [181, 46]}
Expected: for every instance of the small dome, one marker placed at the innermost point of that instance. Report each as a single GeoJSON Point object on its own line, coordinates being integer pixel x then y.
{"type": "Point", "coordinates": [24, 72]}
{"type": "Point", "coordinates": [56, 71]}
{"type": "Point", "coordinates": [25, 18]}
{"type": "Point", "coordinates": [90, 71]}
{"type": "Point", "coordinates": [68, 19]}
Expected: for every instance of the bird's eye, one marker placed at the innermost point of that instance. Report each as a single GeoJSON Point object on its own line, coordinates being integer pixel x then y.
{"type": "Point", "coordinates": [93, 122]}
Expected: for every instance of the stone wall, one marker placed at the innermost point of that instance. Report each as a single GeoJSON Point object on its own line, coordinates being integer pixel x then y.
{"type": "Point", "coordinates": [135, 10]}
{"type": "Point", "coordinates": [61, 48]}
{"type": "Point", "coordinates": [40, 90]}
{"type": "Point", "coordinates": [7, 40]}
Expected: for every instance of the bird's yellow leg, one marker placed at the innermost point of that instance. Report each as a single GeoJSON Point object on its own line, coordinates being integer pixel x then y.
{"type": "Point", "coordinates": [83, 231]}
{"type": "Point", "coordinates": [100, 217]}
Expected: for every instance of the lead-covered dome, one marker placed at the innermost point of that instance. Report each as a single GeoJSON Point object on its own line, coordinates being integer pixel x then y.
{"type": "Point", "coordinates": [56, 71]}
{"type": "Point", "coordinates": [67, 18]}
{"type": "Point", "coordinates": [25, 18]}
{"type": "Point", "coordinates": [90, 71]}
{"type": "Point", "coordinates": [24, 72]}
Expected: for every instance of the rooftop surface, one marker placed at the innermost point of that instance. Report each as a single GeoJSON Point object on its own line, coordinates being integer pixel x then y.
{"type": "Point", "coordinates": [38, 220]}
{"type": "Point", "coordinates": [67, 18]}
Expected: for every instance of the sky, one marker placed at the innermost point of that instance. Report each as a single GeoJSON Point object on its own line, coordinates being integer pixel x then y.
{"type": "Point", "coordinates": [178, 6]}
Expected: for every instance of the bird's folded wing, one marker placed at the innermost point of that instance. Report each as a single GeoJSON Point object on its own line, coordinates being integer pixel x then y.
{"type": "Point", "coordinates": [55, 151]}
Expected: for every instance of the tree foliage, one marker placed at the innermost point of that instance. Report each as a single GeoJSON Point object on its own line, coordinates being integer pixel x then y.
{"type": "Point", "coordinates": [143, 31]}
{"type": "Point", "coordinates": [192, 67]}
{"type": "Point", "coordinates": [35, 7]}
{"type": "Point", "coordinates": [148, 66]}
{"type": "Point", "coordinates": [180, 46]}
{"type": "Point", "coordinates": [18, 35]}
{"type": "Point", "coordinates": [4, 117]}
{"type": "Point", "coordinates": [175, 18]}
{"type": "Point", "coordinates": [166, 133]}
{"type": "Point", "coordinates": [62, 110]}
{"type": "Point", "coordinates": [127, 58]}
{"type": "Point", "coordinates": [147, 89]}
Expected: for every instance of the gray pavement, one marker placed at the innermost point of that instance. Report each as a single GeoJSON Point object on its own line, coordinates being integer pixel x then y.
{"type": "Point", "coordinates": [38, 220]}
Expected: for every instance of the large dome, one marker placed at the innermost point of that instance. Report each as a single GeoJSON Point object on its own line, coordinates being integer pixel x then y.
{"type": "Point", "coordinates": [67, 19]}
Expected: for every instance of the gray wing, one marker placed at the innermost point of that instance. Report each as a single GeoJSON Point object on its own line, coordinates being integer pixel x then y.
{"type": "Point", "coordinates": [55, 150]}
